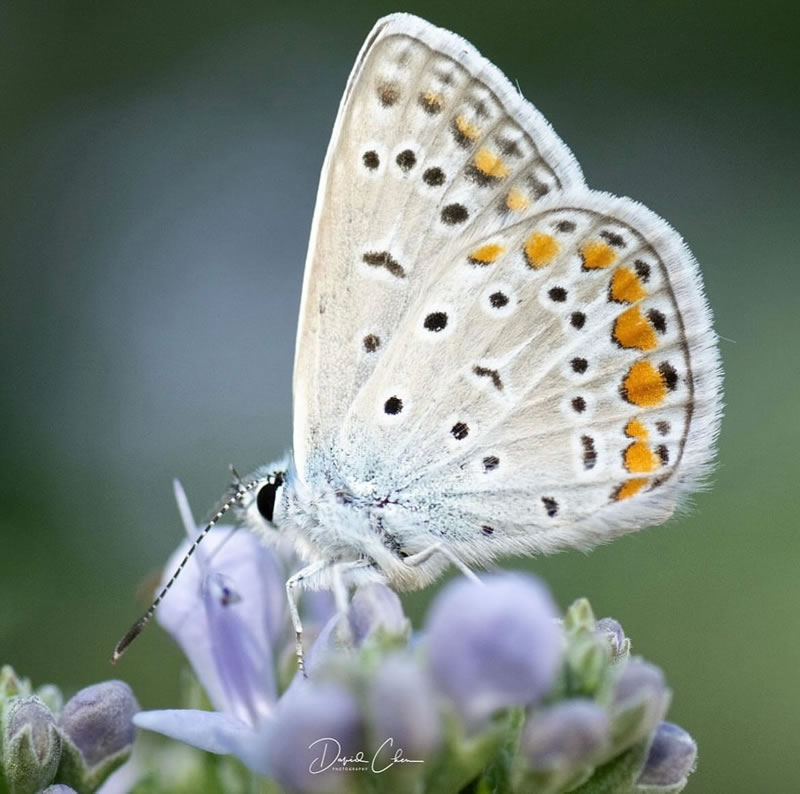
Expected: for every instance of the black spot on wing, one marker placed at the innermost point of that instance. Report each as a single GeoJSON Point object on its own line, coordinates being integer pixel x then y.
{"type": "Point", "coordinates": [385, 260]}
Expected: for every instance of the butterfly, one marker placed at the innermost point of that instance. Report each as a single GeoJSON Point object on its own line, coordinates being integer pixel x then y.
{"type": "Point", "coordinates": [492, 359]}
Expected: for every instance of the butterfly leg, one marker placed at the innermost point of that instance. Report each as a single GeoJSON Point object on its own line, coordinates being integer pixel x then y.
{"type": "Point", "coordinates": [293, 583]}
{"type": "Point", "coordinates": [439, 548]}
{"type": "Point", "coordinates": [319, 575]}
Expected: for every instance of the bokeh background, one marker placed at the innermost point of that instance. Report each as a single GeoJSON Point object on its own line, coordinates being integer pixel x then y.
{"type": "Point", "coordinates": [158, 168]}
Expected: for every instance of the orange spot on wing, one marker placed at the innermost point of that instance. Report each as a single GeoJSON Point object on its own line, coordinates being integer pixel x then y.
{"type": "Point", "coordinates": [644, 385]}
{"type": "Point", "coordinates": [635, 429]}
{"type": "Point", "coordinates": [433, 99]}
{"type": "Point", "coordinates": [630, 488]}
{"type": "Point", "coordinates": [466, 128]}
{"type": "Point", "coordinates": [640, 459]}
{"type": "Point", "coordinates": [486, 254]}
{"type": "Point", "coordinates": [597, 255]}
{"type": "Point", "coordinates": [516, 200]}
{"type": "Point", "coordinates": [633, 330]}
{"type": "Point", "coordinates": [490, 164]}
{"type": "Point", "coordinates": [626, 286]}
{"type": "Point", "coordinates": [540, 249]}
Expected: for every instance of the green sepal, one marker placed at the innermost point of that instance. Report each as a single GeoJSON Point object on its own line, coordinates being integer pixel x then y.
{"type": "Point", "coordinates": [552, 781]}
{"type": "Point", "coordinates": [619, 775]}
{"type": "Point", "coordinates": [74, 771]}
{"type": "Point", "coordinates": [589, 659]}
{"type": "Point", "coordinates": [634, 721]}
{"type": "Point", "coordinates": [579, 617]}
{"type": "Point", "coordinates": [462, 758]}
{"type": "Point", "coordinates": [11, 684]}
{"type": "Point", "coordinates": [587, 670]}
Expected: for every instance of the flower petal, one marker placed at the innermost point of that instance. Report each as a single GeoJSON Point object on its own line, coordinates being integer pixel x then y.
{"type": "Point", "coordinates": [374, 606]}
{"type": "Point", "coordinates": [315, 724]}
{"type": "Point", "coordinates": [671, 758]}
{"type": "Point", "coordinates": [210, 731]}
{"type": "Point", "coordinates": [229, 641]}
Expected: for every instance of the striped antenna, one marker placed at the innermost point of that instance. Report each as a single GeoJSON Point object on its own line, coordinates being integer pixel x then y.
{"type": "Point", "coordinates": [136, 629]}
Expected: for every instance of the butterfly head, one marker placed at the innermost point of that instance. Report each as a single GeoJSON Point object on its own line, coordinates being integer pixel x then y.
{"type": "Point", "coordinates": [260, 503]}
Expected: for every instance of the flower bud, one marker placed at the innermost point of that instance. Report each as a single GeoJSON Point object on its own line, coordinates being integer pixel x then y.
{"type": "Point", "coordinates": [59, 788]}
{"type": "Point", "coordinates": [98, 733]}
{"type": "Point", "coordinates": [612, 631]}
{"type": "Point", "coordinates": [31, 744]}
{"type": "Point", "coordinates": [494, 645]}
{"type": "Point", "coordinates": [579, 617]}
{"type": "Point", "coordinates": [670, 760]}
{"type": "Point", "coordinates": [569, 735]}
{"type": "Point", "coordinates": [375, 607]}
{"type": "Point", "coordinates": [641, 699]}
{"type": "Point", "coordinates": [52, 698]}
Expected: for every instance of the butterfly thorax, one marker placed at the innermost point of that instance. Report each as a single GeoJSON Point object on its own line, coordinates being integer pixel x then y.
{"type": "Point", "coordinates": [348, 522]}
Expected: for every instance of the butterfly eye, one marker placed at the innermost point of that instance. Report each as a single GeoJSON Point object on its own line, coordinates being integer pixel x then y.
{"type": "Point", "coordinates": [266, 497]}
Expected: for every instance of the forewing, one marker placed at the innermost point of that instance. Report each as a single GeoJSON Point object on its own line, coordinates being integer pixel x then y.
{"type": "Point", "coordinates": [564, 389]}
{"type": "Point", "coordinates": [432, 147]}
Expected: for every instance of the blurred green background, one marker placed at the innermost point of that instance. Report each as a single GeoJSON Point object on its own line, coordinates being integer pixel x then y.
{"type": "Point", "coordinates": [158, 168]}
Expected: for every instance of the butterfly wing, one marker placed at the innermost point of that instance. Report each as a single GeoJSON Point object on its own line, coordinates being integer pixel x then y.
{"type": "Point", "coordinates": [431, 144]}
{"type": "Point", "coordinates": [563, 393]}
{"type": "Point", "coordinates": [497, 356]}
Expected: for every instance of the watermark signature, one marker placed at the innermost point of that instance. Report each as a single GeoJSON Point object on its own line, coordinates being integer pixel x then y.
{"type": "Point", "coordinates": [330, 757]}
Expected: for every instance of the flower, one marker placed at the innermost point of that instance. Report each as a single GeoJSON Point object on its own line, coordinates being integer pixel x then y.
{"type": "Point", "coordinates": [316, 724]}
{"type": "Point", "coordinates": [375, 607]}
{"type": "Point", "coordinates": [641, 699]}
{"type": "Point", "coordinates": [611, 629]}
{"type": "Point", "coordinates": [671, 758]}
{"type": "Point", "coordinates": [227, 613]}
{"type": "Point", "coordinates": [403, 708]}
{"type": "Point", "coordinates": [566, 735]}
{"type": "Point", "coordinates": [494, 645]}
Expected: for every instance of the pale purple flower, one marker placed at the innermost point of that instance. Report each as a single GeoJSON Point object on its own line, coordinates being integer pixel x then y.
{"type": "Point", "coordinates": [494, 645]}
{"type": "Point", "coordinates": [671, 758]}
{"type": "Point", "coordinates": [227, 612]}
{"type": "Point", "coordinates": [317, 726]}
{"type": "Point", "coordinates": [98, 720]}
{"type": "Point", "coordinates": [373, 607]}
{"type": "Point", "coordinates": [641, 699]}
{"type": "Point", "coordinates": [403, 709]}
{"type": "Point", "coordinates": [612, 630]}
{"type": "Point", "coordinates": [567, 735]}
{"type": "Point", "coordinates": [639, 680]}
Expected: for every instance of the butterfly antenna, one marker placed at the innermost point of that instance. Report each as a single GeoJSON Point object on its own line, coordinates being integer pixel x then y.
{"type": "Point", "coordinates": [136, 629]}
